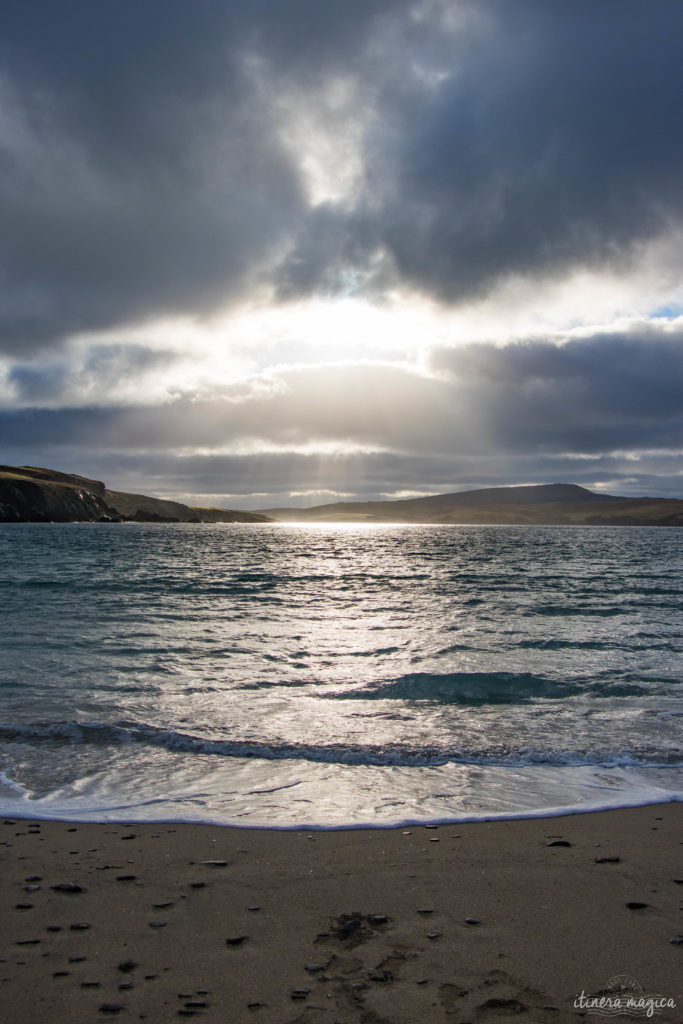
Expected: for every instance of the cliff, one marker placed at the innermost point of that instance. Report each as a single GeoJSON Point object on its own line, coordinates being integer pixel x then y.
{"type": "Point", "coordinates": [29, 494]}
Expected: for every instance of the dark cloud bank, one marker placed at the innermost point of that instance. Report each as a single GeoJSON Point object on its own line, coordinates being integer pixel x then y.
{"type": "Point", "coordinates": [142, 174]}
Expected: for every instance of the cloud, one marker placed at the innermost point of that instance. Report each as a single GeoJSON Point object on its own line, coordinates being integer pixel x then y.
{"type": "Point", "coordinates": [160, 161]}
{"type": "Point", "coordinates": [595, 405]}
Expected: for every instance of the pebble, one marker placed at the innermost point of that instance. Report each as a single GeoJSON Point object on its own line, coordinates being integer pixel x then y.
{"type": "Point", "coordinates": [125, 878]}
{"type": "Point", "coordinates": [378, 919]}
{"type": "Point", "coordinates": [197, 885]}
{"type": "Point", "coordinates": [158, 924]}
{"type": "Point", "coordinates": [69, 887]}
{"type": "Point", "coordinates": [111, 1008]}
{"type": "Point", "coordinates": [559, 842]}
{"type": "Point", "coordinates": [425, 910]}
{"type": "Point", "coordinates": [300, 993]}
{"type": "Point", "coordinates": [472, 920]}
{"type": "Point", "coordinates": [31, 888]}
{"type": "Point", "coordinates": [608, 860]}
{"type": "Point", "coordinates": [253, 909]}
{"type": "Point", "coordinates": [433, 935]}
{"type": "Point", "coordinates": [33, 878]}
{"type": "Point", "coordinates": [91, 984]}
{"type": "Point", "coordinates": [214, 863]}
{"type": "Point", "coordinates": [162, 906]}
{"type": "Point", "coordinates": [637, 905]}
{"type": "Point", "coordinates": [54, 928]}
{"type": "Point", "coordinates": [127, 965]}
{"type": "Point", "coordinates": [78, 927]}
{"type": "Point", "coordinates": [60, 974]}
{"type": "Point", "coordinates": [317, 967]}
{"type": "Point", "coordinates": [23, 906]}
{"type": "Point", "coordinates": [677, 940]}
{"type": "Point", "coordinates": [236, 941]}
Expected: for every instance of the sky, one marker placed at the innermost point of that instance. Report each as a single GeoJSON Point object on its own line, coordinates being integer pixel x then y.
{"type": "Point", "coordinates": [287, 252]}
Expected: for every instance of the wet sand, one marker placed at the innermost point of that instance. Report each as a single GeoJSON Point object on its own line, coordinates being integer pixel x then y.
{"type": "Point", "coordinates": [470, 922]}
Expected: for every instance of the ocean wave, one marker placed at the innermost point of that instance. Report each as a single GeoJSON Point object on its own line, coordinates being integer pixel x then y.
{"type": "Point", "coordinates": [368, 755]}
{"type": "Point", "coordinates": [477, 688]}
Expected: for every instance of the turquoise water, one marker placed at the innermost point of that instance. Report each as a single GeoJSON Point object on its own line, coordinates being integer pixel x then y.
{"type": "Point", "coordinates": [283, 675]}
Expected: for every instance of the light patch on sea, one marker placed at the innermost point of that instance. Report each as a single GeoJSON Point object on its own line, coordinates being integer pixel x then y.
{"type": "Point", "coordinates": [296, 675]}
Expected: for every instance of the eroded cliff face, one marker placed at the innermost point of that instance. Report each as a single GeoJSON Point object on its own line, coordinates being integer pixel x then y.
{"type": "Point", "coordinates": [29, 494]}
{"type": "Point", "coordinates": [32, 495]}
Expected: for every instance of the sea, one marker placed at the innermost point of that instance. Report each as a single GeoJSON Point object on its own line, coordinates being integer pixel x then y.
{"type": "Point", "coordinates": [328, 676]}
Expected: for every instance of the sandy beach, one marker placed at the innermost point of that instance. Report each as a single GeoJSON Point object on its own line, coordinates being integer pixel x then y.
{"type": "Point", "coordinates": [468, 922]}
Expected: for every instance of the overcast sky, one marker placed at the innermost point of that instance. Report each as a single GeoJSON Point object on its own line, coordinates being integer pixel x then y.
{"type": "Point", "coordinates": [291, 251]}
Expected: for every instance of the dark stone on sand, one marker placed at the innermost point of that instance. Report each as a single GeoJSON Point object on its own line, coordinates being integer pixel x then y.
{"type": "Point", "coordinates": [431, 826]}
{"type": "Point", "coordinates": [23, 906]}
{"type": "Point", "coordinates": [378, 919]}
{"type": "Point", "coordinates": [91, 984]}
{"type": "Point", "coordinates": [33, 878]}
{"type": "Point", "coordinates": [197, 1004]}
{"type": "Point", "coordinates": [31, 888]}
{"type": "Point", "coordinates": [158, 924]}
{"type": "Point", "coordinates": [253, 909]}
{"type": "Point", "coordinates": [28, 942]}
{"type": "Point", "coordinates": [54, 928]}
{"type": "Point", "coordinates": [111, 1008]}
{"type": "Point", "coordinates": [60, 974]}
{"type": "Point", "coordinates": [472, 920]}
{"type": "Point", "coordinates": [425, 910]}
{"type": "Point", "coordinates": [237, 940]}
{"type": "Point", "coordinates": [132, 836]}
{"type": "Point", "coordinates": [197, 885]}
{"type": "Point", "coordinates": [125, 986]}
{"type": "Point", "coordinates": [637, 905]}
{"type": "Point", "coordinates": [300, 993]}
{"type": "Point", "coordinates": [126, 878]}
{"type": "Point", "coordinates": [434, 840]}
{"type": "Point", "coordinates": [79, 927]}
{"type": "Point", "coordinates": [677, 940]}
{"type": "Point", "coordinates": [162, 906]}
{"type": "Point", "coordinates": [313, 968]}
{"type": "Point", "coordinates": [213, 863]}
{"type": "Point", "coordinates": [127, 965]}
{"type": "Point", "coordinates": [559, 842]}
{"type": "Point", "coordinates": [433, 935]}
{"type": "Point", "coordinates": [608, 860]}
{"type": "Point", "coordinates": [68, 887]}
{"type": "Point", "coordinates": [76, 959]}
{"type": "Point", "coordinates": [381, 976]}
{"type": "Point", "coordinates": [348, 927]}
{"type": "Point", "coordinates": [255, 1006]}
{"type": "Point", "coordinates": [504, 1006]}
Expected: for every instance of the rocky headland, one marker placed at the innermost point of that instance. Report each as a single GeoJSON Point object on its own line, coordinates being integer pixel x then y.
{"type": "Point", "coordinates": [29, 494]}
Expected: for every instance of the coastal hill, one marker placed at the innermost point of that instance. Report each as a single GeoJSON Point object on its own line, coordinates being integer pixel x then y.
{"type": "Point", "coordinates": [544, 504]}
{"type": "Point", "coordinates": [32, 495]}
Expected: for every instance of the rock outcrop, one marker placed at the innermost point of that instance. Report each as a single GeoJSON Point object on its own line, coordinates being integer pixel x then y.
{"type": "Point", "coordinates": [29, 494]}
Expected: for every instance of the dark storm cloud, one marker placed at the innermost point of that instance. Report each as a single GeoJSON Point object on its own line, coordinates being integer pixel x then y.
{"type": "Point", "coordinates": [141, 174]}
{"type": "Point", "coordinates": [553, 142]}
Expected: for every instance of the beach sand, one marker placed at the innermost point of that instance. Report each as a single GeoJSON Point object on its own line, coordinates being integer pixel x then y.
{"type": "Point", "coordinates": [469, 922]}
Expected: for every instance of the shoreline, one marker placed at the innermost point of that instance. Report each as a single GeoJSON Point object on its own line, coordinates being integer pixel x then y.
{"type": "Point", "coordinates": [463, 921]}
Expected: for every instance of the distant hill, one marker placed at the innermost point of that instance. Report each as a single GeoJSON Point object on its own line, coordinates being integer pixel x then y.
{"type": "Point", "coordinates": [29, 494]}
{"type": "Point", "coordinates": [543, 504]}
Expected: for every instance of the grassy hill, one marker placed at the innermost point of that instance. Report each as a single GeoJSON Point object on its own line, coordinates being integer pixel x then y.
{"type": "Point", "coordinates": [544, 504]}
